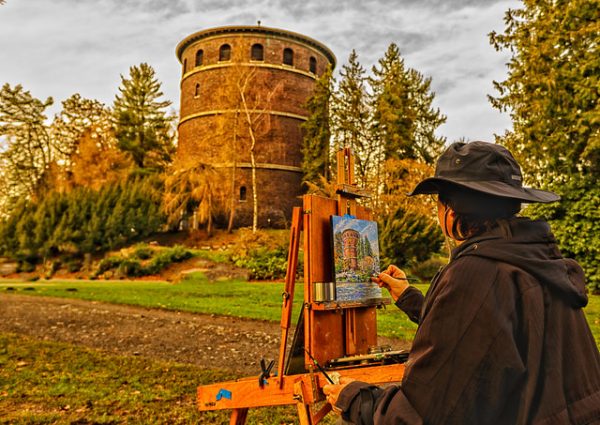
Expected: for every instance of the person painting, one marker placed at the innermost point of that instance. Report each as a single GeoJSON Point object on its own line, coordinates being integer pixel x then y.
{"type": "Point", "coordinates": [502, 337]}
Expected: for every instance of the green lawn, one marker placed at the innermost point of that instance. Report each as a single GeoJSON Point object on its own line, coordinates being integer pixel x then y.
{"type": "Point", "coordinates": [231, 297]}
{"type": "Point", "coordinates": [57, 383]}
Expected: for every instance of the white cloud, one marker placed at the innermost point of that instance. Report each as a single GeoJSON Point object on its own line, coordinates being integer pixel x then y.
{"type": "Point", "coordinates": [66, 46]}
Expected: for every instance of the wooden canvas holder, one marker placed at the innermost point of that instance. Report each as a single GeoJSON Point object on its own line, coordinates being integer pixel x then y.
{"type": "Point", "coordinates": [331, 329]}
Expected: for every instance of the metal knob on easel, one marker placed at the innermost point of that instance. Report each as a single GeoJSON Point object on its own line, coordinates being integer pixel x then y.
{"type": "Point", "coordinates": [324, 291]}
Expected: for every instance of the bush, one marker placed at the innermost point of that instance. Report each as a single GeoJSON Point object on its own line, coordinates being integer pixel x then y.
{"type": "Point", "coordinates": [130, 267]}
{"type": "Point", "coordinates": [107, 264]}
{"type": "Point", "coordinates": [427, 269]}
{"type": "Point", "coordinates": [263, 253]}
{"type": "Point", "coordinates": [74, 265]}
{"type": "Point", "coordinates": [407, 238]}
{"type": "Point", "coordinates": [264, 264]}
{"type": "Point", "coordinates": [51, 268]}
{"type": "Point", "coordinates": [25, 267]}
{"type": "Point", "coordinates": [143, 252]}
{"type": "Point", "coordinates": [82, 221]}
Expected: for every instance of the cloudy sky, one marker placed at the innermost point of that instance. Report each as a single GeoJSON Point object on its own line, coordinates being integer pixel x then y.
{"type": "Point", "coordinates": [60, 47]}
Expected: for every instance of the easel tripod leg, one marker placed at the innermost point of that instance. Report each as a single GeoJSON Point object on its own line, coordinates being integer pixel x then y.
{"type": "Point", "coordinates": [238, 416]}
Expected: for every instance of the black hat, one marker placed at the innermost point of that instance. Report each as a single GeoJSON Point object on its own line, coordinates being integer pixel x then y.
{"type": "Point", "coordinates": [483, 167]}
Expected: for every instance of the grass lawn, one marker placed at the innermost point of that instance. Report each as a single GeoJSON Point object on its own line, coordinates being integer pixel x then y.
{"type": "Point", "coordinates": [199, 295]}
{"type": "Point", "coordinates": [231, 297]}
{"type": "Point", "coordinates": [56, 383]}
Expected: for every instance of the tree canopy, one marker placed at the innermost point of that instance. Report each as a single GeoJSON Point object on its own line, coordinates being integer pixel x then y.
{"type": "Point", "coordinates": [551, 92]}
{"type": "Point", "coordinates": [142, 126]}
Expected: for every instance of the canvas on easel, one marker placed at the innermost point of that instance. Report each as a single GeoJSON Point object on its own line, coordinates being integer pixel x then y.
{"type": "Point", "coordinates": [356, 258]}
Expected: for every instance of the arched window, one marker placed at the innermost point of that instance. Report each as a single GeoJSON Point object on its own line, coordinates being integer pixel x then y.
{"type": "Point", "coordinates": [225, 53]}
{"type": "Point", "coordinates": [288, 56]}
{"type": "Point", "coordinates": [242, 193]}
{"type": "Point", "coordinates": [312, 65]}
{"type": "Point", "coordinates": [257, 52]}
{"type": "Point", "coordinates": [197, 90]}
{"type": "Point", "coordinates": [184, 66]}
{"type": "Point", "coordinates": [199, 57]}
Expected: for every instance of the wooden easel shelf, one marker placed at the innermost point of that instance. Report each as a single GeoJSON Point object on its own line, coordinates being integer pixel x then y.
{"type": "Point", "coordinates": [352, 191]}
{"type": "Point", "coordinates": [340, 305]}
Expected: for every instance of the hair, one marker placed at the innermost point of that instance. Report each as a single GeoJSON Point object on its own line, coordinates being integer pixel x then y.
{"type": "Point", "coordinates": [476, 212]}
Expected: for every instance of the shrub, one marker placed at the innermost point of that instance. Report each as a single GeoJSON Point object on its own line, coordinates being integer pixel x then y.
{"type": "Point", "coordinates": [166, 257]}
{"type": "Point", "coordinates": [25, 267]}
{"type": "Point", "coordinates": [74, 265]}
{"type": "Point", "coordinates": [264, 263]}
{"type": "Point", "coordinates": [143, 252]}
{"type": "Point", "coordinates": [427, 269]}
{"type": "Point", "coordinates": [130, 267]}
{"type": "Point", "coordinates": [107, 264]}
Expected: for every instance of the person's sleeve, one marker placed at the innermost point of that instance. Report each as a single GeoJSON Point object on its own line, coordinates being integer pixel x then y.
{"type": "Point", "coordinates": [365, 404]}
{"type": "Point", "coordinates": [463, 364]}
{"type": "Point", "coordinates": [411, 303]}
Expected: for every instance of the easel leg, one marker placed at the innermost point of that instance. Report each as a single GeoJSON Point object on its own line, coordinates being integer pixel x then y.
{"type": "Point", "coordinates": [304, 413]}
{"type": "Point", "coordinates": [238, 416]}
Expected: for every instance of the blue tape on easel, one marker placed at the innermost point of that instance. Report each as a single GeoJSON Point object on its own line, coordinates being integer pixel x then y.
{"type": "Point", "coordinates": [349, 216]}
{"type": "Point", "coordinates": [223, 393]}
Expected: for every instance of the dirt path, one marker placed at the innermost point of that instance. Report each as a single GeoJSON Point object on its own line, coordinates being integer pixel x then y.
{"type": "Point", "coordinates": [214, 342]}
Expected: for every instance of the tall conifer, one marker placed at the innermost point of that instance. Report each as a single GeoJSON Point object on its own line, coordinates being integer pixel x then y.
{"type": "Point", "coordinates": [142, 126]}
{"type": "Point", "coordinates": [551, 92]}
{"type": "Point", "coordinates": [317, 132]}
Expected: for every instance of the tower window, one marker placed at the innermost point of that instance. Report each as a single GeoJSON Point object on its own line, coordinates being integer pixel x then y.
{"type": "Point", "coordinates": [225, 53]}
{"type": "Point", "coordinates": [197, 90]}
{"type": "Point", "coordinates": [184, 66]}
{"type": "Point", "coordinates": [312, 65]}
{"type": "Point", "coordinates": [257, 52]}
{"type": "Point", "coordinates": [288, 56]}
{"type": "Point", "coordinates": [199, 57]}
{"type": "Point", "coordinates": [242, 193]}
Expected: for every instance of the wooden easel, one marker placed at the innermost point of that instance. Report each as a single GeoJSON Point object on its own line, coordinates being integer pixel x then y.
{"type": "Point", "coordinates": [331, 329]}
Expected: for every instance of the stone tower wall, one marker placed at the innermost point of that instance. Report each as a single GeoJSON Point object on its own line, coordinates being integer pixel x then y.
{"type": "Point", "coordinates": [276, 95]}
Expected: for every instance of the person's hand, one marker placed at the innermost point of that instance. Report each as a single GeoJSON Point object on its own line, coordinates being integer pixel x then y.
{"type": "Point", "coordinates": [332, 392]}
{"type": "Point", "coordinates": [393, 279]}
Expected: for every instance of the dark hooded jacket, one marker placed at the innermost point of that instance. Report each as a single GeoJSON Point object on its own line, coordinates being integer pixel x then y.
{"type": "Point", "coordinates": [502, 339]}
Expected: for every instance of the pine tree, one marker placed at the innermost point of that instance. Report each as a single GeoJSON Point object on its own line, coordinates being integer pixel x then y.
{"type": "Point", "coordinates": [404, 121]}
{"type": "Point", "coordinates": [552, 95]}
{"type": "Point", "coordinates": [317, 132]}
{"type": "Point", "coordinates": [142, 126]}
{"type": "Point", "coordinates": [351, 117]}
{"type": "Point", "coordinates": [552, 88]}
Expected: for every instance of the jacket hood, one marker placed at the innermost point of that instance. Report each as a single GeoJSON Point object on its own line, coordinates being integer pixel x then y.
{"type": "Point", "coordinates": [530, 246]}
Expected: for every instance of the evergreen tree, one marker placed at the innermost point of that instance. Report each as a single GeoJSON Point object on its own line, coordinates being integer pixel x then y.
{"type": "Point", "coordinates": [368, 248]}
{"type": "Point", "coordinates": [142, 126]}
{"type": "Point", "coordinates": [552, 95]}
{"type": "Point", "coordinates": [317, 132]}
{"type": "Point", "coordinates": [404, 122]}
{"type": "Point", "coordinates": [351, 117]}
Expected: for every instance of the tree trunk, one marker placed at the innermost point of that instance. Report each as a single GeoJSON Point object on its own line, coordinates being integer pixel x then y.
{"type": "Point", "coordinates": [233, 175]}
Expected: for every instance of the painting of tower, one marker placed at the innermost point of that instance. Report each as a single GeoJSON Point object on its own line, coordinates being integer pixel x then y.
{"type": "Point", "coordinates": [355, 246]}
{"type": "Point", "coordinates": [243, 96]}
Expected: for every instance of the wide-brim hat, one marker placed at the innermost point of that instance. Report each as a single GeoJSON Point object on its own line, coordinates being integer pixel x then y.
{"type": "Point", "coordinates": [483, 167]}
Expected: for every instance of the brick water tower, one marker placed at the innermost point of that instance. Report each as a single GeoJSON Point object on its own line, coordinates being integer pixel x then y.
{"type": "Point", "coordinates": [241, 83]}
